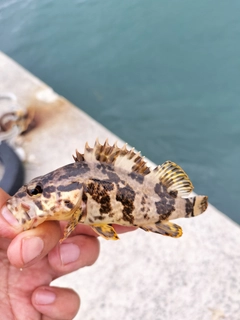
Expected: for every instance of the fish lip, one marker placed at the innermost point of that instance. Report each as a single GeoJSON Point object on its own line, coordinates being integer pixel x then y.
{"type": "Point", "coordinates": [12, 205]}
{"type": "Point", "coordinates": [9, 202]}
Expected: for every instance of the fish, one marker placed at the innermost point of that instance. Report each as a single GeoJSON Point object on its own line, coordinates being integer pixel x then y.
{"type": "Point", "coordinates": [107, 185]}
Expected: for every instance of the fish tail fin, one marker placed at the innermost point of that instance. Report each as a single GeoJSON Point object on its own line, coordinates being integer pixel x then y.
{"type": "Point", "coordinates": [195, 206]}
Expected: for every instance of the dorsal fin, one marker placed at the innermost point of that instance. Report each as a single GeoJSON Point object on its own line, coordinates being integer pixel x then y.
{"type": "Point", "coordinates": [129, 160]}
{"type": "Point", "coordinates": [79, 157]}
{"type": "Point", "coordinates": [169, 173]}
{"type": "Point", "coordinates": [173, 177]}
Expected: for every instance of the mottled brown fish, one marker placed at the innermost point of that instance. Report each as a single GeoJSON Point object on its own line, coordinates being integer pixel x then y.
{"type": "Point", "coordinates": [109, 185]}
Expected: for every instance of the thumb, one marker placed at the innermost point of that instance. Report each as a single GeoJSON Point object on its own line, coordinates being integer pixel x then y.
{"type": "Point", "coordinates": [9, 226]}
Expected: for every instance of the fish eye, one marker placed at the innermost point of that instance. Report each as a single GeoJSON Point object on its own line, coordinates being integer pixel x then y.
{"type": "Point", "coordinates": [35, 191]}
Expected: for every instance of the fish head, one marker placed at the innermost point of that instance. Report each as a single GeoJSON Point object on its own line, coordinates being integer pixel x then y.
{"type": "Point", "coordinates": [37, 201]}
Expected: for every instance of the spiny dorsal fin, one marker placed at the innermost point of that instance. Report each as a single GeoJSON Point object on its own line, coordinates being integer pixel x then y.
{"type": "Point", "coordinates": [79, 157]}
{"type": "Point", "coordinates": [169, 173]}
{"type": "Point", "coordinates": [129, 160]}
{"type": "Point", "coordinates": [173, 177]}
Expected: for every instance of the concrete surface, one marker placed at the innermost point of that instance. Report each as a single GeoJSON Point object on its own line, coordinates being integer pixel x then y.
{"type": "Point", "coordinates": [142, 276]}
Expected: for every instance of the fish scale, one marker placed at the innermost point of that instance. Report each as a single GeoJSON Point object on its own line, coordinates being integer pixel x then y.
{"type": "Point", "coordinates": [109, 185]}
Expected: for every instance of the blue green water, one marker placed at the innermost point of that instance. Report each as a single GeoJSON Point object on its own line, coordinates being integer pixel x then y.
{"type": "Point", "coordinates": [163, 75]}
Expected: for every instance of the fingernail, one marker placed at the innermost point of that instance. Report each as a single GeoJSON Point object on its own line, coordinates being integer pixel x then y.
{"type": "Point", "coordinates": [9, 217]}
{"type": "Point", "coordinates": [31, 248]}
{"type": "Point", "coordinates": [69, 252]}
{"type": "Point", "coordinates": [44, 297]}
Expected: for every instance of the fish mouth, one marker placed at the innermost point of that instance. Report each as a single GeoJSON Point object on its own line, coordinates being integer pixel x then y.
{"type": "Point", "coordinates": [22, 211]}
{"type": "Point", "coordinates": [12, 206]}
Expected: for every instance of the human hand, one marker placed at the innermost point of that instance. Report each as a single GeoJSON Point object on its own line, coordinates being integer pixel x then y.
{"type": "Point", "coordinates": [30, 260]}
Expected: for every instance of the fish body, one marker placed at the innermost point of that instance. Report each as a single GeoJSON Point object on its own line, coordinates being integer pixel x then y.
{"type": "Point", "coordinates": [109, 185]}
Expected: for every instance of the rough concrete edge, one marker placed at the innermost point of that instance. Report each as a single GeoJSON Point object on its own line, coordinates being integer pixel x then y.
{"type": "Point", "coordinates": [34, 78]}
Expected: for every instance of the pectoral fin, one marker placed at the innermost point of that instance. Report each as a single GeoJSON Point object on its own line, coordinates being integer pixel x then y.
{"type": "Point", "coordinates": [72, 223]}
{"type": "Point", "coordinates": [106, 231]}
{"type": "Point", "coordinates": [165, 228]}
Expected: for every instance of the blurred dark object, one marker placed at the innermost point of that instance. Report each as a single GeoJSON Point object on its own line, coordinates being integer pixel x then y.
{"type": "Point", "coordinates": [13, 175]}
{"type": "Point", "coordinates": [14, 118]}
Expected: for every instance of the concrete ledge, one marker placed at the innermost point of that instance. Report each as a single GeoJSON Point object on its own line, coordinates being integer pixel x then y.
{"type": "Point", "coordinates": [143, 276]}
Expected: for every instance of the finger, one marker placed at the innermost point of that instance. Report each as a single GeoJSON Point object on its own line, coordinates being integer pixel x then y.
{"type": "Point", "coordinates": [9, 226]}
{"type": "Point", "coordinates": [30, 246]}
{"type": "Point", "coordinates": [56, 303]}
{"type": "Point", "coordinates": [3, 197]}
{"type": "Point", "coordinates": [74, 253]}
{"type": "Point", "coordinates": [123, 229]}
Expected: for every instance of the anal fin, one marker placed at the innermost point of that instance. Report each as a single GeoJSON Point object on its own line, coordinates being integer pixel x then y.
{"type": "Point", "coordinates": [165, 228]}
{"type": "Point", "coordinates": [106, 231]}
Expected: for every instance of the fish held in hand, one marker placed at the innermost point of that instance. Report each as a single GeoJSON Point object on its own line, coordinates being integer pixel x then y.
{"type": "Point", "coordinates": [109, 185]}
